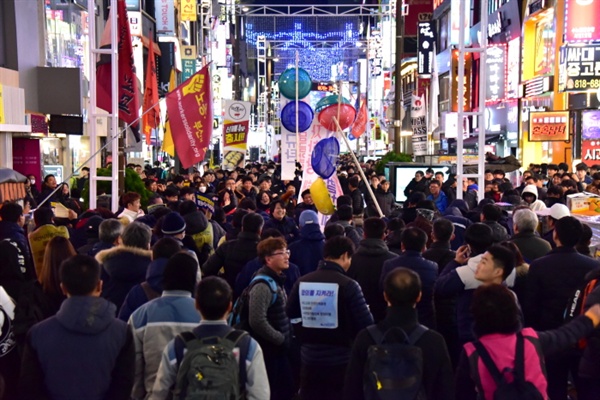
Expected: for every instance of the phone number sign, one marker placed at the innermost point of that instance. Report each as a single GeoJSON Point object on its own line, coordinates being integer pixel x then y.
{"type": "Point", "coordinates": [579, 68]}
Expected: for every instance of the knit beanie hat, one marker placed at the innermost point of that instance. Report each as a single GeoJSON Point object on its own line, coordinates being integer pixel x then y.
{"type": "Point", "coordinates": [308, 217]}
{"type": "Point", "coordinates": [173, 224]}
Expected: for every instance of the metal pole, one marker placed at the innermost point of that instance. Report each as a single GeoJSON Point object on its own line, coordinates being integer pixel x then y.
{"type": "Point", "coordinates": [360, 170]}
{"type": "Point", "coordinates": [398, 78]}
{"type": "Point", "coordinates": [114, 126]}
{"type": "Point", "coordinates": [482, 80]}
{"type": "Point", "coordinates": [92, 119]}
{"type": "Point", "coordinates": [460, 94]}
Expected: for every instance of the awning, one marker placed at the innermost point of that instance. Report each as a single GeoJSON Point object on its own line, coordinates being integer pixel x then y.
{"type": "Point", "coordinates": [474, 141]}
{"type": "Point", "coordinates": [146, 42]}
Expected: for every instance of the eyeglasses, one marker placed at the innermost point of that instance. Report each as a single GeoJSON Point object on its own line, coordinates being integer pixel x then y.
{"type": "Point", "coordinates": [280, 253]}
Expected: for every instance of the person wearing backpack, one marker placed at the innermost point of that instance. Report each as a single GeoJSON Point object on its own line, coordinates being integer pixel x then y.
{"type": "Point", "coordinates": [158, 321]}
{"type": "Point", "coordinates": [421, 351]}
{"type": "Point", "coordinates": [327, 310]}
{"type": "Point", "coordinates": [506, 361]}
{"type": "Point", "coordinates": [551, 281]}
{"type": "Point", "coordinates": [267, 320]}
{"type": "Point", "coordinates": [589, 367]}
{"type": "Point", "coordinates": [247, 375]}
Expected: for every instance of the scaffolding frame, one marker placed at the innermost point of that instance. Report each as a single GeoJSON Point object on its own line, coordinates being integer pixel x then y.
{"type": "Point", "coordinates": [480, 113]}
{"type": "Point", "coordinates": [114, 132]}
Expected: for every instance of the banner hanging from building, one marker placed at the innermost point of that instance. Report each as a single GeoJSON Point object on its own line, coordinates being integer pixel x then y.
{"type": "Point", "coordinates": [236, 126]}
{"type": "Point", "coordinates": [418, 118]}
{"type": "Point", "coordinates": [426, 48]}
{"type": "Point", "coordinates": [164, 11]}
{"type": "Point", "coordinates": [190, 112]}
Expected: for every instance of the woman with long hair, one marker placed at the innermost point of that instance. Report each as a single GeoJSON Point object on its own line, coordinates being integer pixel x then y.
{"type": "Point", "coordinates": [58, 249]}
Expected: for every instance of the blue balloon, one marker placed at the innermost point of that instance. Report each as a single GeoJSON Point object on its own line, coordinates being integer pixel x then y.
{"type": "Point", "coordinates": [324, 157]}
{"type": "Point", "coordinates": [351, 137]}
{"type": "Point", "coordinates": [305, 116]}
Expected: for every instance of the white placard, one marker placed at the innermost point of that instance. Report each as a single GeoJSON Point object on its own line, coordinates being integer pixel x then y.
{"type": "Point", "coordinates": [319, 305]}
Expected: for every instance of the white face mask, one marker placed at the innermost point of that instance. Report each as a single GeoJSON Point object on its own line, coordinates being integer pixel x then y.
{"type": "Point", "coordinates": [32, 181]}
{"type": "Point", "coordinates": [202, 189]}
{"type": "Point", "coordinates": [270, 171]}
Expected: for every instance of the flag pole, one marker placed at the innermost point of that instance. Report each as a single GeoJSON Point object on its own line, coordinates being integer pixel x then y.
{"type": "Point", "coordinates": [297, 103]}
{"type": "Point", "coordinates": [360, 170]}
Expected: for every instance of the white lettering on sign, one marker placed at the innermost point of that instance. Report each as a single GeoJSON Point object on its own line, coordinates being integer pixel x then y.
{"type": "Point", "coordinates": [319, 305]}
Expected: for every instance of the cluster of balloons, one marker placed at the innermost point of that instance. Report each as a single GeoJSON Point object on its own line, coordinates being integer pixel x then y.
{"type": "Point", "coordinates": [298, 116]}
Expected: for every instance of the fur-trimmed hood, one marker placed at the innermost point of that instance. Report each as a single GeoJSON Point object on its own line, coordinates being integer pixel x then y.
{"type": "Point", "coordinates": [105, 255]}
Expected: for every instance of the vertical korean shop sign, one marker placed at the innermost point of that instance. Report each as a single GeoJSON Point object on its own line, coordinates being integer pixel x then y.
{"type": "Point", "coordinates": [188, 61]}
{"type": "Point", "coordinates": [235, 133]}
{"type": "Point", "coordinates": [581, 20]}
{"type": "Point", "coordinates": [188, 10]}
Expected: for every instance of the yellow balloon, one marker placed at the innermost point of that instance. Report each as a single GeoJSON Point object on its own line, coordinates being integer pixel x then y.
{"type": "Point", "coordinates": [321, 198]}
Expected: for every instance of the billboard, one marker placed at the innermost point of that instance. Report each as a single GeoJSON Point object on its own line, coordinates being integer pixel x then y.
{"type": "Point", "coordinates": [550, 126]}
{"type": "Point", "coordinates": [581, 20]}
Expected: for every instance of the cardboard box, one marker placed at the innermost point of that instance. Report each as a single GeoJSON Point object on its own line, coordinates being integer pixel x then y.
{"type": "Point", "coordinates": [584, 203]}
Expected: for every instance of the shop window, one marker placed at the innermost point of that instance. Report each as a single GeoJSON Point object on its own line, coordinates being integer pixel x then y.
{"type": "Point", "coordinates": [443, 34]}
{"type": "Point", "coordinates": [66, 36]}
{"type": "Point", "coordinates": [544, 46]}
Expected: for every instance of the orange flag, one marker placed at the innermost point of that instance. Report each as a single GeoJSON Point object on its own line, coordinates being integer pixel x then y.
{"type": "Point", "coordinates": [151, 110]}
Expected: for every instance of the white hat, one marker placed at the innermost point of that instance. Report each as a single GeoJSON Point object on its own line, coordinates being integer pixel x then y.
{"type": "Point", "coordinates": [558, 211]}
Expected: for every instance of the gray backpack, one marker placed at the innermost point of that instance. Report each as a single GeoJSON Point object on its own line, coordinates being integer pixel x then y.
{"type": "Point", "coordinates": [208, 369]}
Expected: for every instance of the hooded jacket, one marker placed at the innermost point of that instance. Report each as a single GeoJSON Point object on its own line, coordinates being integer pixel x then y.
{"type": "Point", "coordinates": [536, 205]}
{"type": "Point", "coordinates": [308, 251]}
{"type": "Point", "coordinates": [124, 267]}
{"type": "Point", "coordinates": [137, 296]}
{"type": "Point", "coordinates": [81, 353]}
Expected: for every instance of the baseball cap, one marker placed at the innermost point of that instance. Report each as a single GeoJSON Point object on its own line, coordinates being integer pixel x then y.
{"type": "Point", "coordinates": [557, 211]}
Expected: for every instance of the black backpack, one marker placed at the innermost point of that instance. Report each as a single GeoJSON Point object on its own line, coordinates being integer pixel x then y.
{"type": "Point", "coordinates": [576, 305]}
{"type": "Point", "coordinates": [519, 388]}
{"type": "Point", "coordinates": [394, 370]}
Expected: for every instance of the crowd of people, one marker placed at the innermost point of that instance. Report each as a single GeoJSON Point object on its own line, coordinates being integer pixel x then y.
{"type": "Point", "coordinates": [212, 269]}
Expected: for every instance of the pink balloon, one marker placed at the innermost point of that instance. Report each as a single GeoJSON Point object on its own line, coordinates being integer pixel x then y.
{"type": "Point", "coordinates": [346, 117]}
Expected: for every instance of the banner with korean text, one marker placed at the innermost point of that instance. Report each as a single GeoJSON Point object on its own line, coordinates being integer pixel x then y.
{"type": "Point", "coordinates": [418, 118]}
{"type": "Point", "coordinates": [235, 133]}
{"type": "Point", "coordinates": [306, 143]}
{"type": "Point", "coordinates": [190, 111]}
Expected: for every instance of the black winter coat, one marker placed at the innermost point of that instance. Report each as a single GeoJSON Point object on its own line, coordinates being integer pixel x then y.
{"type": "Point", "coordinates": [367, 263]}
{"type": "Point", "coordinates": [438, 382]}
{"type": "Point", "coordinates": [123, 267]}
{"type": "Point", "coordinates": [232, 256]}
{"type": "Point", "coordinates": [550, 283]}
